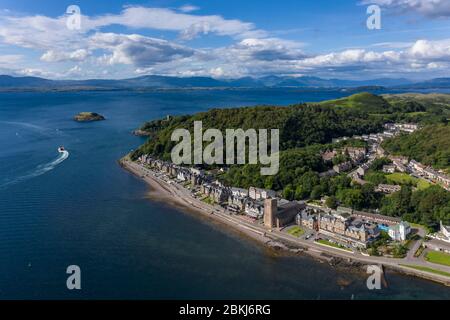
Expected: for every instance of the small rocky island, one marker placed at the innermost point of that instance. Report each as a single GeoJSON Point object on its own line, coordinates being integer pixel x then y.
{"type": "Point", "coordinates": [88, 117]}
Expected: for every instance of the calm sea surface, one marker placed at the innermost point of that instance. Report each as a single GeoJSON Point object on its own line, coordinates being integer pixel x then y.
{"type": "Point", "coordinates": [85, 210]}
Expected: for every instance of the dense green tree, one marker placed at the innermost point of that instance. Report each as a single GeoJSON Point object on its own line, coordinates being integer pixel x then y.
{"type": "Point", "coordinates": [375, 178]}
{"type": "Point", "coordinates": [352, 198]}
{"type": "Point", "coordinates": [341, 158]}
{"type": "Point", "coordinates": [398, 203]}
{"type": "Point", "coordinates": [339, 183]}
{"type": "Point", "coordinates": [332, 202]}
{"type": "Point", "coordinates": [372, 199]}
{"type": "Point", "coordinates": [378, 163]}
{"type": "Point", "coordinates": [288, 192]}
{"type": "Point", "coordinates": [431, 145]}
{"type": "Point", "coordinates": [316, 192]}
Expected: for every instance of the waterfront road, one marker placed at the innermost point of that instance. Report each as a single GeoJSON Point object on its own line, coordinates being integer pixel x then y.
{"type": "Point", "coordinates": [184, 195]}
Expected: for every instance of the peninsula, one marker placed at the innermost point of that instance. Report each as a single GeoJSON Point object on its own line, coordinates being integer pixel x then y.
{"type": "Point", "coordinates": [339, 193]}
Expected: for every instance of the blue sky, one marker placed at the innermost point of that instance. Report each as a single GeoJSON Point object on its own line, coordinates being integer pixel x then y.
{"type": "Point", "coordinates": [225, 38]}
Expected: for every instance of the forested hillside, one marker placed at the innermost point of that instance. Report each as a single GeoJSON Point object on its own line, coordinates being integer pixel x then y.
{"type": "Point", "coordinates": [299, 125]}
{"type": "Point", "coordinates": [430, 145]}
{"type": "Point", "coordinates": [306, 130]}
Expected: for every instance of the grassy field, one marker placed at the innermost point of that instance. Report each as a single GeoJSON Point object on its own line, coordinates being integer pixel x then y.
{"type": "Point", "coordinates": [335, 245]}
{"type": "Point", "coordinates": [438, 257]}
{"type": "Point", "coordinates": [442, 273]}
{"type": "Point", "coordinates": [417, 226]}
{"type": "Point", "coordinates": [296, 231]}
{"type": "Point", "coordinates": [368, 102]}
{"type": "Point", "coordinates": [404, 178]}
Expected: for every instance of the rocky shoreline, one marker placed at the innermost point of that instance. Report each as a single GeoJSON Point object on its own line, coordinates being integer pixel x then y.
{"type": "Point", "coordinates": [140, 133]}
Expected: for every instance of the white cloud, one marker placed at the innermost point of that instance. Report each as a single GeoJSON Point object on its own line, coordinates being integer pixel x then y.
{"type": "Point", "coordinates": [252, 52]}
{"type": "Point", "coordinates": [421, 55]}
{"type": "Point", "coordinates": [259, 57]}
{"type": "Point", "coordinates": [138, 50]}
{"type": "Point", "coordinates": [37, 32]}
{"type": "Point", "coordinates": [424, 49]}
{"type": "Point", "coordinates": [348, 57]}
{"type": "Point", "coordinates": [170, 20]}
{"type": "Point", "coordinates": [7, 60]}
{"type": "Point", "coordinates": [36, 72]}
{"type": "Point", "coordinates": [429, 8]}
{"type": "Point", "coordinates": [75, 71]}
{"type": "Point", "coordinates": [58, 56]}
{"type": "Point", "coordinates": [269, 49]}
{"type": "Point", "coordinates": [188, 8]}
{"type": "Point", "coordinates": [46, 33]}
{"type": "Point", "coordinates": [392, 45]}
{"type": "Point", "coordinates": [196, 29]}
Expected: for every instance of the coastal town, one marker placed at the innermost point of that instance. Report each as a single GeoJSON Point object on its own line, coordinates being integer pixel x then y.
{"type": "Point", "coordinates": [357, 235]}
{"type": "Point", "coordinates": [362, 158]}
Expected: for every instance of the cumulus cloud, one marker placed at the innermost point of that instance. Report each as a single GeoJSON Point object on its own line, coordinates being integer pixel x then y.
{"type": "Point", "coordinates": [36, 72]}
{"type": "Point", "coordinates": [43, 32]}
{"type": "Point", "coordinates": [170, 20]}
{"type": "Point", "coordinates": [138, 50]}
{"type": "Point", "coordinates": [349, 57]}
{"type": "Point", "coordinates": [269, 49]}
{"type": "Point", "coordinates": [37, 32]}
{"type": "Point", "coordinates": [60, 44]}
{"type": "Point", "coordinates": [58, 56]}
{"type": "Point", "coordinates": [258, 57]}
{"type": "Point", "coordinates": [252, 51]}
{"type": "Point", "coordinates": [430, 50]}
{"type": "Point", "coordinates": [422, 54]}
{"type": "Point", "coordinates": [429, 8]}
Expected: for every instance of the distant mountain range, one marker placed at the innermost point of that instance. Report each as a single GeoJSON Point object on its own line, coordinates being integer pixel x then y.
{"type": "Point", "coordinates": [9, 82]}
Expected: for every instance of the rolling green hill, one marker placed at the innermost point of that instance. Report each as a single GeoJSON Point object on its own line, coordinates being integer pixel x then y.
{"type": "Point", "coordinates": [409, 107]}
{"type": "Point", "coordinates": [426, 99]}
{"type": "Point", "coordinates": [425, 108]}
{"type": "Point", "coordinates": [364, 101]}
{"type": "Point", "coordinates": [307, 124]}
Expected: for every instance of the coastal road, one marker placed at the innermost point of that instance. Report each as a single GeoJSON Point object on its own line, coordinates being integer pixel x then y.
{"type": "Point", "coordinates": [412, 251]}
{"type": "Point", "coordinates": [185, 196]}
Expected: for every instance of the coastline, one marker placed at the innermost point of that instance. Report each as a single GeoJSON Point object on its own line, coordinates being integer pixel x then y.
{"type": "Point", "coordinates": [162, 191]}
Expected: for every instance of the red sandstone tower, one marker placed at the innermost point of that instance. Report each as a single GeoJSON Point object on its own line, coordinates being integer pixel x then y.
{"type": "Point", "coordinates": [270, 213]}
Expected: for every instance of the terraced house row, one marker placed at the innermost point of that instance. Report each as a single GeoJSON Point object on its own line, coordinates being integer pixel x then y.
{"type": "Point", "coordinates": [353, 228]}
{"type": "Point", "coordinates": [255, 203]}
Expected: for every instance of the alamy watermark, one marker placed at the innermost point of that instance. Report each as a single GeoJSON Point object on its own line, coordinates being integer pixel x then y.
{"type": "Point", "coordinates": [73, 21]}
{"type": "Point", "coordinates": [374, 280]}
{"type": "Point", "coordinates": [374, 20]}
{"type": "Point", "coordinates": [236, 143]}
{"type": "Point", "coordinates": [73, 282]}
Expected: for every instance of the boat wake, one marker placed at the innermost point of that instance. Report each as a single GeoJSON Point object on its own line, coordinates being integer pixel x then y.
{"type": "Point", "coordinates": [46, 132]}
{"type": "Point", "coordinates": [39, 170]}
